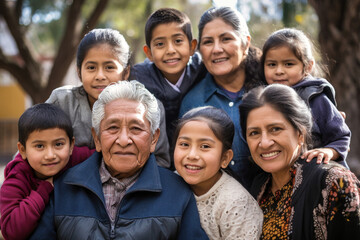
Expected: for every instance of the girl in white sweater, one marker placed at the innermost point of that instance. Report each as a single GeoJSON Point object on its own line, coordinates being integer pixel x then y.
{"type": "Point", "coordinates": [204, 138]}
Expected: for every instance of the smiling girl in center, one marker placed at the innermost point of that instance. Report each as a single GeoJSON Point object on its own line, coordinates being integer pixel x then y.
{"type": "Point", "coordinates": [204, 137]}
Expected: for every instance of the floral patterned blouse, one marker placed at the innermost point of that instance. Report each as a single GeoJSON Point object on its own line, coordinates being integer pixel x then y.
{"type": "Point", "coordinates": [328, 193]}
{"type": "Point", "coordinates": [277, 210]}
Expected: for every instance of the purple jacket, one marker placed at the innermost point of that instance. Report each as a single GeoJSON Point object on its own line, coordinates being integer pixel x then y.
{"type": "Point", "coordinates": [23, 197]}
{"type": "Point", "coordinates": [329, 128]}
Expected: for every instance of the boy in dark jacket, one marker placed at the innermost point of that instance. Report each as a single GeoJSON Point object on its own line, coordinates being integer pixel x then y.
{"type": "Point", "coordinates": [172, 67]}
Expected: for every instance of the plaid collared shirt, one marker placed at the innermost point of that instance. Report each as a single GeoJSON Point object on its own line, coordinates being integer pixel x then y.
{"type": "Point", "coordinates": [114, 189]}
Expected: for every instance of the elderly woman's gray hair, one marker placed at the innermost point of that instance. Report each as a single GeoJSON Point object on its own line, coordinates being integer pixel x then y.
{"type": "Point", "coordinates": [130, 90]}
{"type": "Point", "coordinates": [230, 16]}
{"type": "Point", "coordinates": [285, 100]}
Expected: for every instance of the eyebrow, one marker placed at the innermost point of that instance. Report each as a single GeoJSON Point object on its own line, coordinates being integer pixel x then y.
{"type": "Point", "coordinates": [132, 121]}
{"type": "Point", "coordinates": [136, 121]}
{"type": "Point", "coordinates": [94, 62]}
{"type": "Point", "coordinates": [270, 125]}
{"type": "Point", "coordinates": [90, 62]}
{"type": "Point", "coordinates": [251, 128]}
{"type": "Point", "coordinates": [221, 35]}
{"type": "Point", "coordinates": [174, 35]}
{"type": "Point", "coordinates": [107, 62]}
{"type": "Point", "coordinates": [201, 139]}
{"type": "Point", "coordinates": [41, 141]}
{"type": "Point", "coordinates": [285, 60]}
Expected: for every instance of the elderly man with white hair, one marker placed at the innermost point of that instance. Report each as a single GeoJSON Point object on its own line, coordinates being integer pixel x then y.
{"type": "Point", "coordinates": [120, 192]}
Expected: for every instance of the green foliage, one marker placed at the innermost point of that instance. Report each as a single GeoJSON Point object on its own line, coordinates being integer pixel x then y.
{"type": "Point", "coordinates": [44, 6]}
{"type": "Point", "coordinates": [290, 13]}
{"type": "Point", "coordinates": [126, 16]}
{"type": "Point", "coordinates": [129, 17]}
{"type": "Point", "coordinates": [261, 28]}
{"type": "Point", "coordinates": [46, 20]}
{"type": "Point", "coordinates": [42, 11]}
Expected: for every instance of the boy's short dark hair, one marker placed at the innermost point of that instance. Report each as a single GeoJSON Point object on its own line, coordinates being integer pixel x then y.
{"type": "Point", "coordinates": [164, 16]}
{"type": "Point", "coordinates": [43, 116]}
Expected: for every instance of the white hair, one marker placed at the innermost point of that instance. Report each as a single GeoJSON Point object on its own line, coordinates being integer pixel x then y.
{"type": "Point", "coordinates": [130, 90]}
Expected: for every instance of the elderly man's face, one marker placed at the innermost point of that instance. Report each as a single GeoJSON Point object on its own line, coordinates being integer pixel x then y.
{"type": "Point", "coordinates": [125, 137]}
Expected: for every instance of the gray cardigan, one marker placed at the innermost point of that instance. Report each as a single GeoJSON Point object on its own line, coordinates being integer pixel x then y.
{"type": "Point", "coordinates": [73, 101]}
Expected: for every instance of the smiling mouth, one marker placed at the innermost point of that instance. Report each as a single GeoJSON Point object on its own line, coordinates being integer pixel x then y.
{"type": "Point", "coordinates": [51, 164]}
{"type": "Point", "coordinates": [191, 167]}
{"type": "Point", "coordinates": [172, 60]}
{"type": "Point", "coordinates": [99, 87]}
{"type": "Point", "coordinates": [269, 155]}
{"type": "Point", "coordinates": [219, 60]}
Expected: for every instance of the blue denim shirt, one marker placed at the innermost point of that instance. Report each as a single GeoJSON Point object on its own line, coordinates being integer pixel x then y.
{"type": "Point", "coordinates": [208, 93]}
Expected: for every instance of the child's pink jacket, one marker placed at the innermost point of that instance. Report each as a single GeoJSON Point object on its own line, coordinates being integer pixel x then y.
{"type": "Point", "coordinates": [23, 197]}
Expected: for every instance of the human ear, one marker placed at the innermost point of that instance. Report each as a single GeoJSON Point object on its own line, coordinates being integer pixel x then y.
{"type": "Point", "coordinates": [154, 140]}
{"type": "Point", "coordinates": [126, 73]}
{"type": "Point", "coordinates": [79, 73]}
{"type": "Point", "coordinates": [72, 144]}
{"type": "Point", "coordinates": [247, 46]}
{"type": "Point", "coordinates": [22, 150]}
{"type": "Point", "coordinates": [301, 139]}
{"type": "Point", "coordinates": [147, 51]}
{"type": "Point", "coordinates": [193, 45]}
{"type": "Point", "coordinates": [96, 140]}
{"type": "Point", "coordinates": [309, 67]}
{"type": "Point", "coordinates": [226, 158]}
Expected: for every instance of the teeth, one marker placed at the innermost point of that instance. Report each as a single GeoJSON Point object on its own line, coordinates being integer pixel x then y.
{"type": "Point", "coordinates": [171, 60]}
{"type": "Point", "coordinates": [219, 60]}
{"type": "Point", "coordinates": [270, 154]}
{"type": "Point", "coordinates": [192, 167]}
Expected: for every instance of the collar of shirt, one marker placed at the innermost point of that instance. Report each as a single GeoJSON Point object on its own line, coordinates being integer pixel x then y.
{"type": "Point", "coordinates": [176, 86]}
{"type": "Point", "coordinates": [211, 87]}
{"type": "Point", "coordinates": [122, 183]}
{"type": "Point", "coordinates": [114, 189]}
{"type": "Point", "coordinates": [289, 185]}
{"type": "Point", "coordinates": [233, 95]}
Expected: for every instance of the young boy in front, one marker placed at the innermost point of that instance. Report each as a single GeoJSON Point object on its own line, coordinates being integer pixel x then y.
{"type": "Point", "coordinates": [45, 145]}
{"type": "Point", "coordinates": [172, 67]}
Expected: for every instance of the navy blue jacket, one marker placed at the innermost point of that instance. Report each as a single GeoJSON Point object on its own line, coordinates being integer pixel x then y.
{"type": "Point", "coordinates": [148, 74]}
{"type": "Point", "coordinates": [159, 205]}
{"type": "Point", "coordinates": [329, 127]}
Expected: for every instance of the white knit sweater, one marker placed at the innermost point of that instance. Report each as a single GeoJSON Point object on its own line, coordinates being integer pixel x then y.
{"type": "Point", "coordinates": [228, 211]}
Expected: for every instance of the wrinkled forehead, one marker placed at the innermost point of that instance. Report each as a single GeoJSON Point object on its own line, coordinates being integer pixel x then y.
{"type": "Point", "coordinates": [124, 108]}
{"type": "Point", "coordinates": [126, 105]}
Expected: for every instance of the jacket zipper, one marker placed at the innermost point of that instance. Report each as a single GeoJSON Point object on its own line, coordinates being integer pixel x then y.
{"type": "Point", "coordinates": [112, 230]}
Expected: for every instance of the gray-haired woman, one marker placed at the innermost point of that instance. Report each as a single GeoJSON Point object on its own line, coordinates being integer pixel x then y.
{"type": "Point", "coordinates": [299, 200]}
{"type": "Point", "coordinates": [224, 43]}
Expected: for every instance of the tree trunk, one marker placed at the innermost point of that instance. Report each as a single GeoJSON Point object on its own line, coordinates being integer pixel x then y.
{"type": "Point", "coordinates": [339, 39]}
